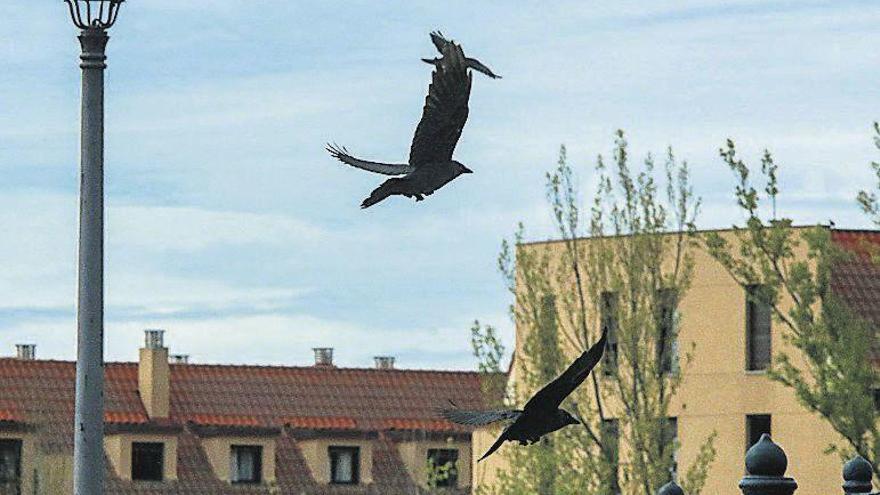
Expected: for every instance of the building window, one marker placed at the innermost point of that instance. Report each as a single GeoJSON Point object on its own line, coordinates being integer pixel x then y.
{"type": "Point", "coordinates": [756, 425]}
{"type": "Point", "coordinates": [344, 465]}
{"type": "Point", "coordinates": [611, 442]}
{"type": "Point", "coordinates": [10, 466]}
{"type": "Point", "coordinates": [608, 306]}
{"type": "Point", "coordinates": [147, 459]}
{"type": "Point", "coordinates": [758, 316]}
{"type": "Point", "coordinates": [245, 463]}
{"type": "Point", "coordinates": [667, 300]}
{"type": "Point", "coordinates": [670, 438]}
{"type": "Point", "coordinates": [443, 466]}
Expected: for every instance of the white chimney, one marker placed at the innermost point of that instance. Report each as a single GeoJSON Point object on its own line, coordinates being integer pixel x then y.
{"type": "Point", "coordinates": [27, 352]}
{"type": "Point", "coordinates": [384, 362]}
{"type": "Point", "coordinates": [323, 356]}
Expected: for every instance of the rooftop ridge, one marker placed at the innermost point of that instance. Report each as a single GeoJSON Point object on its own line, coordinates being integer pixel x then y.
{"type": "Point", "coordinates": [702, 231]}
{"type": "Point", "coordinates": [317, 369]}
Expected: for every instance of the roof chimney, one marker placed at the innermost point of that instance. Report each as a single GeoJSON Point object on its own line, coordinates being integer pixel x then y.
{"type": "Point", "coordinates": [384, 362]}
{"type": "Point", "coordinates": [323, 356]}
{"type": "Point", "coordinates": [27, 352]}
{"type": "Point", "coordinates": [154, 338]}
{"type": "Point", "coordinates": [180, 358]}
{"type": "Point", "coordinates": [154, 374]}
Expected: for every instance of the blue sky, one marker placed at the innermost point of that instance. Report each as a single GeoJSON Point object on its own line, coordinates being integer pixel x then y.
{"type": "Point", "coordinates": [229, 226]}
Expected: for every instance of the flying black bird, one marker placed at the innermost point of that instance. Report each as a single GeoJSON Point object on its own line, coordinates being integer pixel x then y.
{"type": "Point", "coordinates": [441, 43]}
{"type": "Point", "coordinates": [430, 164]}
{"type": "Point", "coordinates": [541, 414]}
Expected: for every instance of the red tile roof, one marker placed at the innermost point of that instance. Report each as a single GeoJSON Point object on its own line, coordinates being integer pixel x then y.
{"type": "Point", "coordinates": [420, 424]}
{"type": "Point", "coordinates": [322, 422]}
{"type": "Point", "coordinates": [306, 398]}
{"type": "Point", "coordinates": [7, 415]}
{"type": "Point", "coordinates": [125, 417]}
{"type": "Point", "coordinates": [857, 280]}
{"type": "Point", "coordinates": [223, 420]}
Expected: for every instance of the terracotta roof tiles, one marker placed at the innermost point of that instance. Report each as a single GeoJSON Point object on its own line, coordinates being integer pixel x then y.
{"type": "Point", "coordinates": [322, 422]}
{"type": "Point", "coordinates": [246, 398]}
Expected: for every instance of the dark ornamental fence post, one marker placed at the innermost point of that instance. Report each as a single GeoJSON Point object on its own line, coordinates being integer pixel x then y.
{"type": "Point", "coordinates": [857, 476]}
{"type": "Point", "coordinates": [670, 488]}
{"type": "Point", "coordinates": [765, 468]}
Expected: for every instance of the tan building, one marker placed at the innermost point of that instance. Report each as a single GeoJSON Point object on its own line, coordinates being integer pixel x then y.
{"type": "Point", "coordinates": [725, 388]}
{"type": "Point", "coordinates": [177, 428]}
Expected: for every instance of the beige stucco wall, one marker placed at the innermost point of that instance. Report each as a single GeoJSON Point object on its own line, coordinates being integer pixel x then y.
{"type": "Point", "coordinates": [318, 459]}
{"type": "Point", "coordinates": [218, 450]}
{"type": "Point", "coordinates": [55, 474]}
{"type": "Point", "coordinates": [717, 393]}
{"type": "Point", "coordinates": [118, 450]}
{"type": "Point", "coordinates": [415, 458]}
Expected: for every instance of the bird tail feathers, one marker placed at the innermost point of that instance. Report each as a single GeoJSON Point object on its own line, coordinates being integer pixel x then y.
{"type": "Point", "coordinates": [387, 188]}
{"type": "Point", "coordinates": [376, 196]}
{"type": "Point", "coordinates": [495, 446]}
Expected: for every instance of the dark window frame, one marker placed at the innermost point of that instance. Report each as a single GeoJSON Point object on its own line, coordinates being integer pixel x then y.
{"type": "Point", "coordinates": [258, 463]}
{"type": "Point", "coordinates": [15, 445]}
{"type": "Point", "coordinates": [759, 330]}
{"type": "Point", "coordinates": [755, 427]}
{"type": "Point", "coordinates": [667, 302]}
{"type": "Point", "coordinates": [610, 436]}
{"type": "Point", "coordinates": [670, 437]}
{"type": "Point", "coordinates": [452, 480]}
{"type": "Point", "coordinates": [608, 312]}
{"type": "Point", "coordinates": [333, 453]}
{"type": "Point", "coordinates": [143, 470]}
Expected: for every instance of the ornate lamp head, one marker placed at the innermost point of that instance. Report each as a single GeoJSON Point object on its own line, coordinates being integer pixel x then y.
{"type": "Point", "coordinates": [99, 14]}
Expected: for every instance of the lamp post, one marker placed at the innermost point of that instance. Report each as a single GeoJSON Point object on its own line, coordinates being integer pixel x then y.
{"type": "Point", "coordinates": [93, 18]}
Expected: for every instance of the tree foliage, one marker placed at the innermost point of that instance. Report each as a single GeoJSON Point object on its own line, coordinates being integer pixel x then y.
{"type": "Point", "coordinates": [638, 254]}
{"type": "Point", "coordinates": [830, 372]}
{"type": "Point", "coordinates": [868, 199]}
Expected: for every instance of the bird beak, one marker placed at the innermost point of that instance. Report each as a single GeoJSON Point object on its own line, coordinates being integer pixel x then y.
{"type": "Point", "coordinates": [466, 170]}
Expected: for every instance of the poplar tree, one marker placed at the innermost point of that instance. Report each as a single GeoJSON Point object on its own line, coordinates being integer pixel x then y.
{"type": "Point", "coordinates": [625, 265]}
{"type": "Point", "coordinates": [832, 375]}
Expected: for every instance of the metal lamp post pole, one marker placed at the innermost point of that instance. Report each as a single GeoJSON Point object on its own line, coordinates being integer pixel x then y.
{"type": "Point", "coordinates": [88, 465]}
{"type": "Point", "coordinates": [93, 18]}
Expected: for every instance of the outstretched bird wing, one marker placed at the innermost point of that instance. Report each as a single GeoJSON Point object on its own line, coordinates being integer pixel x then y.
{"type": "Point", "coordinates": [439, 40]}
{"type": "Point", "coordinates": [445, 111]}
{"type": "Point", "coordinates": [552, 395]}
{"type": "Point", "coordinates": [478, 418]}
{"type": "Point", "coordinates": [341, 154]}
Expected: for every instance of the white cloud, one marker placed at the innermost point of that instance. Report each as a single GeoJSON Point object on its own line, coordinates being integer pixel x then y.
{"type": "Point", "coordinates": [221, 200]}
{"type": "Point", "coordinates": [190, 229]}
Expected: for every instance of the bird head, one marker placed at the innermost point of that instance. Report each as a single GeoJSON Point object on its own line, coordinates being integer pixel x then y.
{"type": "Point", "coordinates": [567, 418]}
{"type": "Point", "coordinates": [461, 169]}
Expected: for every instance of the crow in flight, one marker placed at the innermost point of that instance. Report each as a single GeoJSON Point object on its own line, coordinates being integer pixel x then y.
{"type": "Point", "coordinates": [441, 43]}
{"type": "Point", "coordinates": [430, 164]}
{"type": "Point", "coordinates": [541, 414]}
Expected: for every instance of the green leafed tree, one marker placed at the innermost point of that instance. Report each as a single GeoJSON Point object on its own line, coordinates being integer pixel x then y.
{"type": "Point", "coordinates": [624, 266]}
{"type": "Point", "coordinates": [790, 270]}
